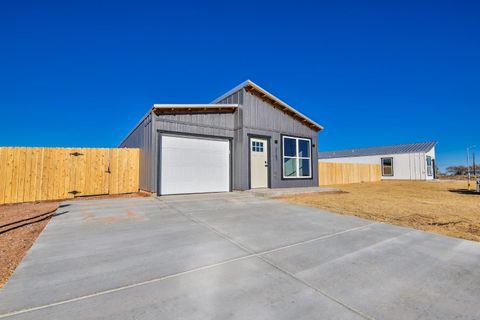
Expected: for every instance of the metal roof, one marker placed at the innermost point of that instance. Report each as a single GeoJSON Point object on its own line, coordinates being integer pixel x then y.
{"type": "Point", "coordinates": [265, 93]}
{"type": "Point", "coordinates": [373, 151]}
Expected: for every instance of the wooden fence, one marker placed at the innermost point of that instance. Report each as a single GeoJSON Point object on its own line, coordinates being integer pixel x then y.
{"type": "Point", "coordinates": [343, 173]}
{"type": "Point", "coordinates": [35, 174]}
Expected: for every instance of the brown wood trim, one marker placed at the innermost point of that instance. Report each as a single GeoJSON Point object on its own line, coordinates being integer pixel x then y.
{"type": "Point", "coordinates": [159, 111]}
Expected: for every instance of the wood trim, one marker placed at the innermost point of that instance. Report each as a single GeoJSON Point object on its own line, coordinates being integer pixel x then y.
{"type": "Point", "coordinates": [176, 110]}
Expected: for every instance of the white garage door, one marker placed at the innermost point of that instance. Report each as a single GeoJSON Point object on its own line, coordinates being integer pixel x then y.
{"type": "Point", "coordinates": [194, 165]}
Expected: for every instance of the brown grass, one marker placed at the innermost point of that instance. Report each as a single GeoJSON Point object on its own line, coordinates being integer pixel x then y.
{"type": "Point", "coordinates": [443, 207]}
{"type": "Point", "coordinates": [22, 223]}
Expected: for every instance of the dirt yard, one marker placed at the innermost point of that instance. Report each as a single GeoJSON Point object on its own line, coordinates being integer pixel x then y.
{"type": "Point", "coordinates": [443, 207]}
{"type": "Point", "coordinates": [21, 224]}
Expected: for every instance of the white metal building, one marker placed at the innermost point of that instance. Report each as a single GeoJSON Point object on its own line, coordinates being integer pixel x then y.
{"type": "Point", "coordinates": [414, 161]}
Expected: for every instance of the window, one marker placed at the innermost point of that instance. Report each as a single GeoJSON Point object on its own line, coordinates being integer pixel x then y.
{"type": "Point", "coordinates": [387, 167]}
{"type": "Point", "coordinates": [429, 166]}
{"type": "Point", "coordinates": [297, 158]}
{"type": "Point", "coordinates": [257, 146]}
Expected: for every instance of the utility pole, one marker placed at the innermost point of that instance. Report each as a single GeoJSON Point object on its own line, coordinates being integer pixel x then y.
{"type": "Point", "coordinates": [468, 169]}
{"type": "Point", "coordinates": [473, 163]}
{"type": "Point", "coordinates": [468, 165]}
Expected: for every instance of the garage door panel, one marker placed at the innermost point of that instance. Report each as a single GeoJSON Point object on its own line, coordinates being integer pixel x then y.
{"type": "Point", "coordinates": [193, 165]}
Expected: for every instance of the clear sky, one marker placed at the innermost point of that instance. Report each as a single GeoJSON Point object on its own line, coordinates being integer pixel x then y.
{"type": "Point", "coordinates": [80, 73]}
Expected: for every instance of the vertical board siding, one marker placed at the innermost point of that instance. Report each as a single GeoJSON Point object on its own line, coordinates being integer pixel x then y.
{"type": "Point", "coordinates": [142, 137]}
{"type": "Point", "coordinates": [260, 114]}
{"type": "Point", "coordinates": [36, 174]}
{"type": "Point", "coordinates": [343, 173]}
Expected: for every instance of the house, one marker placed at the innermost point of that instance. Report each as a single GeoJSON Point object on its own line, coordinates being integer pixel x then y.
{"type": "Point", "coordinates": [415, 161]}
{"type": "Point", "coordinates": [245, 139]}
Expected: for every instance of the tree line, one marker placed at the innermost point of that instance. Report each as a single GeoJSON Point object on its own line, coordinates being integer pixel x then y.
{"type": "Point", "coordinates": [462, 170]}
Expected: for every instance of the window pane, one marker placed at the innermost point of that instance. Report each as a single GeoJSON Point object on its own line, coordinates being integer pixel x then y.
{"type": "Point", "coordinates": [289, 147]}
{"type": "Point", "coordinates": [429, 166]}
{"type": "Point", "coordinates": [304, 148]}
{"type": "Point", "coordinates": [387, 166]}
{"type": "Point", "coordinates": [304, 167]}
{"type": "Point", "coordinates": [289, 167]}
{"type": "Point", "coordinates": [387, 171]}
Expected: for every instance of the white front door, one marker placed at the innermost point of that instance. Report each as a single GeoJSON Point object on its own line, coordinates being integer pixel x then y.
{"type": "Point", "coordinates": [258, 163]}
{"type": "Point", "coordinates": [194, 165]}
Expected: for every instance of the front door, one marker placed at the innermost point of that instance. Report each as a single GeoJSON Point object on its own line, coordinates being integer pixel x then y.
{"type": "Point", "coordinates": [258, 163]}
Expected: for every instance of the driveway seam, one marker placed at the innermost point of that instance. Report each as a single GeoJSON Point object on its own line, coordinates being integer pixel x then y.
{"type": "Point", "coordinates": [249, 254]}
{"type": "Point", "coordinates": [318, 290]}
{"type": "Point", "coordinates": [261, 257]}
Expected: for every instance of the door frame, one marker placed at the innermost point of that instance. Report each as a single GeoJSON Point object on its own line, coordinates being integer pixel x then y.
{"type": "Point", "coordinates": [434, 172]}
{"type": "Point", "coordinates": [160, 133]}
{"type": "Point", "coordinates": [269, 162]}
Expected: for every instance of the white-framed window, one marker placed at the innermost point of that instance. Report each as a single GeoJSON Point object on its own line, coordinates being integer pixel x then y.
{"type": "Point", "coordinates": [297, 158]}
{"type": "Point", "coordinates": [429, 166]}
{"type": "Point", "coordinates": [387, 167]}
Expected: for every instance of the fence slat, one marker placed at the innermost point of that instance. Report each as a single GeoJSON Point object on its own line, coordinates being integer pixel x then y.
{"type": "Point", "coordinates": [342, 173]}
{"type": "Point", "coordinates": [3, 172]}
{"type": "Point", "coordinates": [36, 174]}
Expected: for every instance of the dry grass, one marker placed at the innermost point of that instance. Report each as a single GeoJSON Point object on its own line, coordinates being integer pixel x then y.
{"type": "Point", "coordinates": [443, 207]}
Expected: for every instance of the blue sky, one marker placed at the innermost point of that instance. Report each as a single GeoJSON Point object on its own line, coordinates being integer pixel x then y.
{"type": "Point", "coordinates": [372, 72]}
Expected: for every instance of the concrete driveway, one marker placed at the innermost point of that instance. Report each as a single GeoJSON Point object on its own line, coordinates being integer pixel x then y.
{"type": "Point", "coordinates": [235, 256]}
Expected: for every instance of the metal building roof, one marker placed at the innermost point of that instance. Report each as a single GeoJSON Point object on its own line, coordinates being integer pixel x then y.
{"type": "Point", "coordinates": [264, 94]}
{"type": "Point", "coordinates": [374, 151]}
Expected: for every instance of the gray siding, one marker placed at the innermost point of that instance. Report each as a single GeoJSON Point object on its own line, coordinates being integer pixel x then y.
{"type": "Point", "coordinates": [211, 122]}
{"type": "Point", "coordinates": [236, 98]}
{"type": "Point", "coordinates": [208, 124]}
{"type": "Point", "coordinates": [239, 170]}
{"type": "Point", "coordinates": [253, 117]}
{"type": "Point", "coordinates": [142, 137]}
{"type": "Point", "coordinates": [262, 119]}
{"type": "Point", "coordinates": [276, 166]}
{"type": "Point", "coordinates": [261, 115]}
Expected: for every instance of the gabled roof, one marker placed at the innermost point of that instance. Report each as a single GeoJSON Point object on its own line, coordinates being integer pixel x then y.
{"type": "Point", "coordinates": [193, 108]}
{"type": "Point", "coordinates": [255, 89]}
{"type": "Point", "coordinates": [374, 151]}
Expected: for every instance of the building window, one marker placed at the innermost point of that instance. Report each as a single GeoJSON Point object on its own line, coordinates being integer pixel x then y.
{"type": "Point", "coordinates": [257, 146]}
{"type": "Point", "coordinates": [387, 167]}
{"type": "Point", "coordinates": [429, 166]}
{"type": "Point", "coordinates": [297, 158]}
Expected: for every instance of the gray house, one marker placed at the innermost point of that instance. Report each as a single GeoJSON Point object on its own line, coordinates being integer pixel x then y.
{"type": "Point", "coordinates": [245, 139]}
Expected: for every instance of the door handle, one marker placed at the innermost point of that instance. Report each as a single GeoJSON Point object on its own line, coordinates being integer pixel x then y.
{"type": "Point", "coordinates": [266, 164]}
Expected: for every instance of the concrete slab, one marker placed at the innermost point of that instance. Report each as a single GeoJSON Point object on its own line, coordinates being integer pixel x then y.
{"type": "Point", "coordinates": [245, 289]}
{"type": "Point", "coordinates": [237, 256]}
{"type": "Point", "coordinates": [99, 245]}
{"type": "Point", "coordinates": [270, 193]}
{"type": "Point", "coordinates": [268, 224]}
{"type": "Point", "coordinates": [392, 272]}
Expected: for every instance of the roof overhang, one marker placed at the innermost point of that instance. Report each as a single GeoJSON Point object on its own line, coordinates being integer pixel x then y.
{"type": "Point", "coordinates": [193, 108]}
{"type": "Point", "coordinates": [263, 94]}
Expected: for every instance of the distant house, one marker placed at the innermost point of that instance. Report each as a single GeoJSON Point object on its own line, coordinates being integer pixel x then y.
{"type": "Point", "coordinates": [415, 161]}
